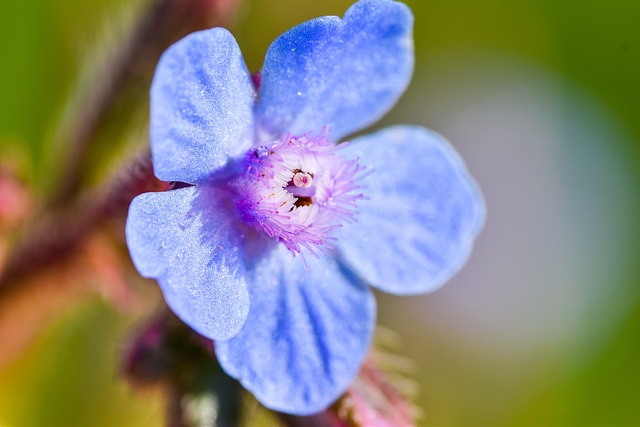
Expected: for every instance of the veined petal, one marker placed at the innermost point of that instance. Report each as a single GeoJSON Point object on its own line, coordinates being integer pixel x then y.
{"type": "Point", "coordinates": [306, 334]}
{"type": "Point", "coordinates": [423, 213]}
{"type": "Point", "coordinates": [189, 244]}
{"type": "Point", "coordinates": [344, 74]}
{"type": "Point", "coordinates": [201, 106]}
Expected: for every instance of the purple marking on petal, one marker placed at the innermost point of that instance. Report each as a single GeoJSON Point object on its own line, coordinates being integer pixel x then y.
{"type": "Point", "coordinates": [306, 334]}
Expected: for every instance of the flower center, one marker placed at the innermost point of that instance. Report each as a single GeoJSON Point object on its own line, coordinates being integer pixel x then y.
{"type": "Point", "coordinates": [298, 190]}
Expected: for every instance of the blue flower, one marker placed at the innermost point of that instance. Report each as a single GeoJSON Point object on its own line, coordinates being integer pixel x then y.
{"type": "Point", "coordinates": [271, 249]}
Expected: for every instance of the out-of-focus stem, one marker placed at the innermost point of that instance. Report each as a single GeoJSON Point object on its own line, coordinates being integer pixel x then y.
{"type": "Point", "coordinates": [323, 419]}
{"type": "Point", "coordinates": [174, 407]}
{"type": "Point", "coordinates": [60, 231]}
{"type": "Point", "coordinates": [165, 22]}
{"type": "Point", "coordinates": [70, 217]}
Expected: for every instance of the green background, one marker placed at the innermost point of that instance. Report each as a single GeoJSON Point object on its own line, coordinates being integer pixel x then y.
{"type": "Point", "coordinates": [541, 98]}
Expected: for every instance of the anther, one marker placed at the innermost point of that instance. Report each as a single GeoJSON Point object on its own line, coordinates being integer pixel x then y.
{"type": "Point", "coordinates": [302, 179]}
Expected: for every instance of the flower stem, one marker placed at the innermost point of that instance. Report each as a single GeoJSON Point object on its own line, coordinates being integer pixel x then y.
{"type": "Point", "coordinates": [323, 419]}
{"type": "Point", "coordinates": [164, 22]}
{"type": "Point", "coordinates": [70, 216]}
{"type": "Point", "coordinates": [174, 409]}
{"type": "Point", "coordinates": [60, 231]}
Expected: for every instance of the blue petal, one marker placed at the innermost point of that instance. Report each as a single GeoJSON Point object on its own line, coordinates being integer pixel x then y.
{"type": "Point", "coordinates": [191, 247]}
{"type": "Point", "coordinates": [306, 335]}
{"type": "Point", "coordinates": [423, 213]}
{"type": "Point", "coordinates": [201, 106]}
{"type": "Point", "coordinates": [342, 74]}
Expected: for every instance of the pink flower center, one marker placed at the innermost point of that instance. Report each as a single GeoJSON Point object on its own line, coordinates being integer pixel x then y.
{"type": "Point", "coordinates": [298, 190]}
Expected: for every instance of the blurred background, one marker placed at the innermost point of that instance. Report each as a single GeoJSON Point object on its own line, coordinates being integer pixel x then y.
{"type": "Point", "coordinates": [541, 98]}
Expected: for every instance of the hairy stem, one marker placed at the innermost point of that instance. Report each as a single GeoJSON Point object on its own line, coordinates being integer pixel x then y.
{"type": "Point", "coordinates": [70, 216]}
{"type": "Point", "coordinates": [59, 231]}
{"type": "Point", "coordinates": [164, 22]}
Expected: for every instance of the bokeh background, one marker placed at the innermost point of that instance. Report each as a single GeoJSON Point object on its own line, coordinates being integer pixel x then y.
{"type": "Point", "coordinates": [541, 98]}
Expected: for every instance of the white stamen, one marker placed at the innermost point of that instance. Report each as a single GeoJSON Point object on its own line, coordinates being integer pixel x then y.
{"type": "Point", "coordinates": [302, 179]}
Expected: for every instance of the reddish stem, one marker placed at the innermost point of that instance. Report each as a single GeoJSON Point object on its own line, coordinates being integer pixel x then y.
{"type": "Point", "coordinates": [60, 231]}
{"type": "Point", "coordinates": [165, 22]}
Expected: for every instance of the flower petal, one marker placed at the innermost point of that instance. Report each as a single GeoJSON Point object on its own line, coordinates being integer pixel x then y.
{"type": "Point", "coordinates": [182, 239]}
{"type": "Point", "coordinates": [306, 334]}
{"type": "Point", "coordinates": [344, 74]}
{"type": "Point", "coordinates": [201, 106]}
{"type": "Point", "coordinates": [423, 213]}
